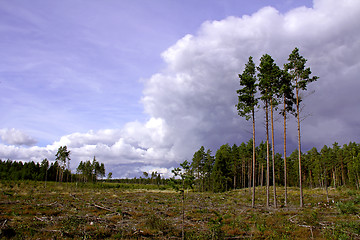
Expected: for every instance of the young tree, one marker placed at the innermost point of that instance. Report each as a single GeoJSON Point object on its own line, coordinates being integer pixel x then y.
{"type": "Point", "coordinates": [187, 181]}
{"type": "Point", "coordinates": [247, 102]}
{"type": "Point", "coordinates": [109, 176]}
{"type": "Point", "coordinates": [301, 77]}
{"type": "Point", "coordinates": [269, 84]}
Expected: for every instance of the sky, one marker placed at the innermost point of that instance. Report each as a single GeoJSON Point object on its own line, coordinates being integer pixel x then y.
{"type": "Point", "coordinates": [142, 85]}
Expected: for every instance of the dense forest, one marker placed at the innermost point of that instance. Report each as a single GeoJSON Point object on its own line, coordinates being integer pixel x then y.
{"type": "Point", "coordinates": [231, 167]}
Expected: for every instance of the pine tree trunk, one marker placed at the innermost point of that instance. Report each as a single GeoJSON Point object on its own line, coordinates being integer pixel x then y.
{"type": "Point", "coordinates": [343, 173]}
{"type": "Point", "coordinates": [243, 174]}
{"type": "Point", "coordinates": [235, 181]}
{"type": "Point", "coordinates": [46, 177]}
{"type": "Point", "coordinates": [262, 175]}
{"type": "Point", "coordinates": [273, 151]}
{"type": "Point", "coordinates": [249, 175]}
{"type": "Point", "coordinates": [299, 144]}
{"type": "Point", "coordinates": [267, 155]}
{"type": "Point", "coordinates": [326, 186]}
{"type": "Point", "coordinates": [259, 175]}
{"type": "Point", "coordinates": [203, 183]}
{"type": "Point", "coordinates": [321, 180]}
{"type": "Point", "coordinates": [253, 194]}
{"type": "Point", "coordinates": [285, 168]}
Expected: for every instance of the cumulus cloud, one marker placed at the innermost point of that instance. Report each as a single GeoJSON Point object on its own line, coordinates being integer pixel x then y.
{"type": "Point", "coordinates": [196, 93]}
{"type": "Point", "coordinates": [192, 101]}
{"type": "Point", "coordinates": [16, 137]}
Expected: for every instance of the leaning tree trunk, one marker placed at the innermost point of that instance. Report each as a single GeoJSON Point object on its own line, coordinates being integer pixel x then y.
{"type": "Point", "coordinates": [273, 151]}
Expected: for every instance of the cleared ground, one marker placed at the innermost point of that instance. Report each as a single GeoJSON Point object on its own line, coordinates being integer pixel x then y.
{"type": "Point", "coordinates": [29, 210]}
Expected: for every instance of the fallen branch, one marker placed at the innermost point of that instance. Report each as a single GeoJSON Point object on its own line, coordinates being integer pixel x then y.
{"type": "Point", "coordinates": [40, 219]}
{"type": "Point", "coordinates": [2, 226]}
{"type": "Point", "coordinates": [103, 208]}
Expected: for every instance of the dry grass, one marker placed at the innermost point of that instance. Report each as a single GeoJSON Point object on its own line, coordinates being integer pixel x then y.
{"type": "Point", "coordinates": [66, 211]}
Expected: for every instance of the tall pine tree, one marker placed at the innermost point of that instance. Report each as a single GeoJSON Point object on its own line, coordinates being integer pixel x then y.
{"type": "Point", "coordinates": [269, 84]}
{"type": "Point", "coordinates": [246, 106]}
{"type": "Point", "coordinates": [301, 77]}
{"type": "Point", "coordinates": [287, 95]}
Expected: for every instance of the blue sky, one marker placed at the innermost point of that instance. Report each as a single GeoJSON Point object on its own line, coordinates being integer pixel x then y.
{"type": "Point", "coordinates": [84, 61]}
{"type": "Point", "coordinates": [133, 82]}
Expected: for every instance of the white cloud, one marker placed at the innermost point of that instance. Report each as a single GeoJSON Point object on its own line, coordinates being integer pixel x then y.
{"type": "Point", "coordinates": [192, 101]}
{"type": "Point", "coordinates": [25, 154]}
{"type": "Point", "coordinates": [16, 137]}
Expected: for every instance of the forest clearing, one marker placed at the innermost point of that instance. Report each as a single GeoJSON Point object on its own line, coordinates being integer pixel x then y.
{"type": "Point", "coordinates": [33, 210]}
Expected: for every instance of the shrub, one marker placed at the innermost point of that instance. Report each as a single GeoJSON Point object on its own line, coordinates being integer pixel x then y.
{"type": "Point", "coordinates": [155, 222]}
{"type": "Point", "coordinates": [347, 207]}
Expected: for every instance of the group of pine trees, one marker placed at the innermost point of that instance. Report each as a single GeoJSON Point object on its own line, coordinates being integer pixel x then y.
{"type": "Point", "coordinates": [59, 170]}
{"type": "Point", "coordinates": [273, 86]}
{"type": "Point", "coordinates": [231, 167]}
{"type": "Point", "coordinates": [17, 170]}
{"type": "Point", "coordinates": [44, 171]}
{"type": "Point", "coordinates": [90, 171]}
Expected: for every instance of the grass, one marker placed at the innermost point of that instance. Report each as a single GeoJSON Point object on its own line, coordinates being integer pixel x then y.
{"type": "Point", "coordinates": [120, 211]}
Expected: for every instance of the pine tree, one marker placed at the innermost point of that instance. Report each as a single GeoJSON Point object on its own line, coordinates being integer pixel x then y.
{"type": "Point", "coordinates": [187, 181]}
{"type": "Point", "coordinates": [247, 102]}
{"type": "Point", "coordinates": [63, 156]}
{"type": "Point", "coordinates": [198, 167]}
{"type": "Point", "coordinates": [301, 77]}
{"type": "Point", "coordinates": [287, 94]}
{"type": "Point", "coordinates": [269, 84]}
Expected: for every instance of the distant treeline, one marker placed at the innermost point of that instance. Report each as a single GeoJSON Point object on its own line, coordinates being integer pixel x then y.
{"type": "Point", "coordinates": [231, 167]}
{"type": "Point", "coordinates": [157, 180]}
{"type": "Point", "coordinates": [16, 170]}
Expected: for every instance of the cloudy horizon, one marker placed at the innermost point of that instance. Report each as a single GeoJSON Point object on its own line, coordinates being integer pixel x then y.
{"type": "Point", "coordinates": [142, 86]}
